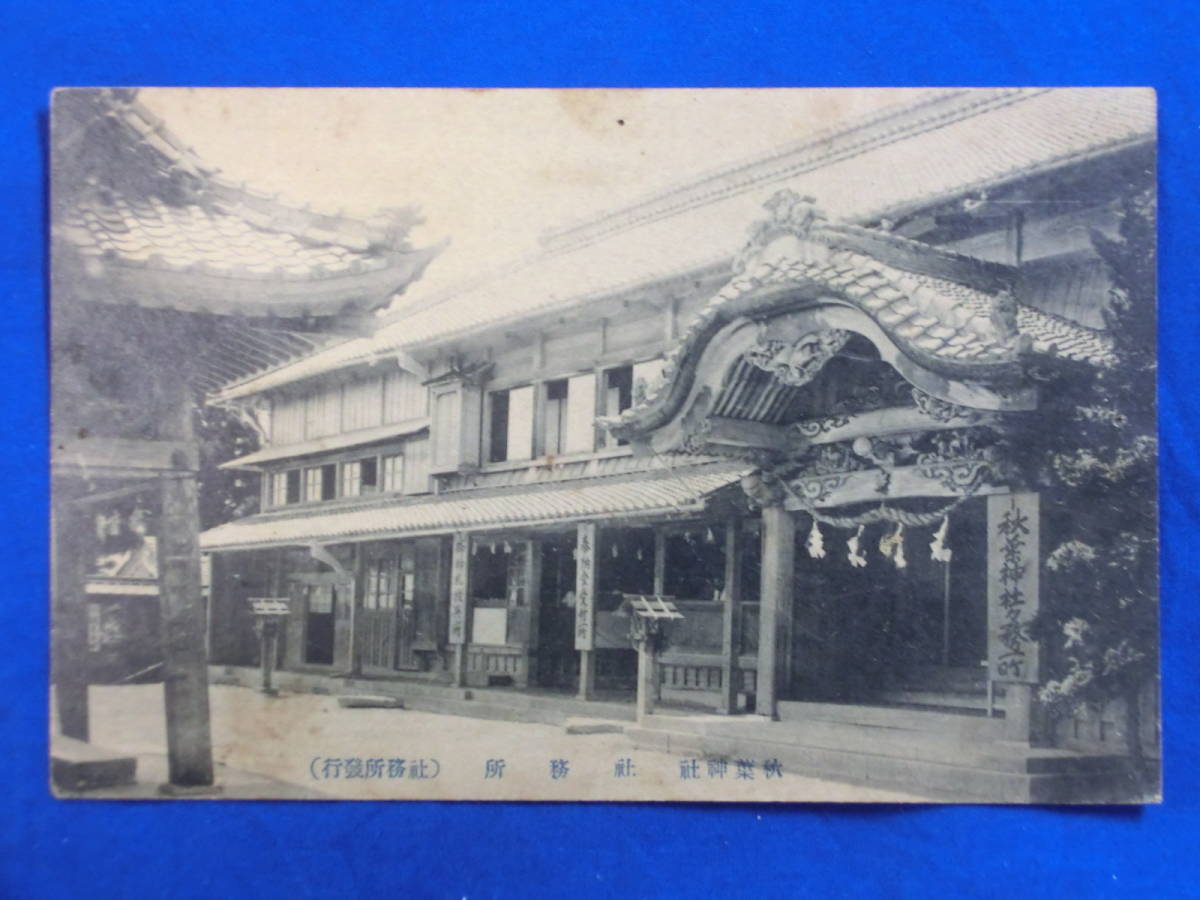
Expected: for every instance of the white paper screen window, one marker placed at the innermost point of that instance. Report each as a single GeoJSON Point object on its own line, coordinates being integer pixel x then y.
{"type": "Point", "coordinates": [520, 423]}
{"type": "Point", "coordinates": [581, 414]}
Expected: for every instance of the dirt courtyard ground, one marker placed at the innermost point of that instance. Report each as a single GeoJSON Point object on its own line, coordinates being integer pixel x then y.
{"type": "Point", "coordinates": [308, 746]}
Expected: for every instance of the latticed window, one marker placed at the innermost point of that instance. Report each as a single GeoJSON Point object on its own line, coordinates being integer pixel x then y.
{"type": "Point", "coordinates": [279, 488]}
{"type": "Point", "coordinates": [351, 479]}
{"type": "Point", "coordinates": [320, 482]}
{"type": "Point", "coordinates": [393, 473]}
{"type": "Point", "coordinates": [390, 582]}
{"type": "Point", "coordinates": [380, 590]}
{"type": "Point", "coordinates": [312, 483]}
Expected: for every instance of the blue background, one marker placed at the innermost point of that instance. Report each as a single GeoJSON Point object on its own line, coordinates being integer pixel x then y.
{"type": "Point", "coordinates": [475, 850]}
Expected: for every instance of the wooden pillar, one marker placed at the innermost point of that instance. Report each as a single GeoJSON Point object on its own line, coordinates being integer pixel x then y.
{"type": "Point", "coordinates": [730, 673]}
{"type": "Point", "coordinates": [660, 561]}
{"type": "Point", "coordinates": [185, 668]}
{"type": "Point", "coordinates": [1014, 560]}
{"type": "Point", "coordinates": [269, 638]}
{"type": "Point", "coordinates": [71, 555]}
{"type": "Point", "coordinates": [460, 587]}
{"type": "Point", "coordinates": [775, 607]}
{"type": "Point", "coordinates": [356, 598]}
{"type": "Point", "coordinates": [533, 602]}
{"type": "Point", "coordinates": [586, 554]}
{"type": "Point", "coordinates": [647, 675]}
{"type": "Point", "coordinates": [660, 588]}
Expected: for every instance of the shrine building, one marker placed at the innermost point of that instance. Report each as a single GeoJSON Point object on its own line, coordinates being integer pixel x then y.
{"type": "Point", "coordinates": [788, 396]}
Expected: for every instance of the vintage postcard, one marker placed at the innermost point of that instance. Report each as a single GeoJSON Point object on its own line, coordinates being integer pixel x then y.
{"type": "Point", "coordinates": [713, 445]}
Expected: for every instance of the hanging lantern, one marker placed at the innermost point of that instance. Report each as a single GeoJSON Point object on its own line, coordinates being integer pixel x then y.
{"type": "Point", "coordinates": [857, 557]}
{"type": "Point", "coordinates": [816, 542]}
{"type": "Point", "coordinates": [709, 537]}
{"type": "Point", "coordinates": [938, 549]}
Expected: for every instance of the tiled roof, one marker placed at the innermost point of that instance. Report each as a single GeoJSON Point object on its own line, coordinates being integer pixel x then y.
{"type": "Point", "coordinates": [961, 143]}
{"type": "Point", "coordinates": [338, 441]}
{"type": "Point", "coordinates": [672, 492]}
{"type": "Point", "coordinates": [138, 218]}
{"type": "Point", "coordinates": [151, 233]}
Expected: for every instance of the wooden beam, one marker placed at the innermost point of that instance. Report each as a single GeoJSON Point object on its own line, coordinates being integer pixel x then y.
{"type": "Point", "coordinates": [754, 435]}
{"type": "Point", "coordinates": [105, 457]}
{"type": "Point", "coordinates": [881, 422]}
{"type": "Point", "coordinates": [868, 485]}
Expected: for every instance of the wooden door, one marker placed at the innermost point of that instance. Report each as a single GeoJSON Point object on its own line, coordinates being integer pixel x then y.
{"type": "Point", "coordinates": [387, 613]}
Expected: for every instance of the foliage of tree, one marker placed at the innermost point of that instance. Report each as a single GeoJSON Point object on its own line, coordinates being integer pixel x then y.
{"type": "Point", "coordinates": [1100, 612]}
{"type": "Point", "coordinates": [225, 494]}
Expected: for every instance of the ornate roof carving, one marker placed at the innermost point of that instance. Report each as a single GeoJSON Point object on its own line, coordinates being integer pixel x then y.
{"type": "Point", "coordinates": [951, 315]}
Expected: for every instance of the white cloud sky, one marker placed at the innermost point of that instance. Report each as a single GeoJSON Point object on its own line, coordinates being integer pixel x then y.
{"type": "Point", "coordinates": [490, 169]}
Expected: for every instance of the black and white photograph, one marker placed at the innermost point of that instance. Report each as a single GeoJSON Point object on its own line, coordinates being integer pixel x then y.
{"type": "Point", "coordinates": [714, 445]}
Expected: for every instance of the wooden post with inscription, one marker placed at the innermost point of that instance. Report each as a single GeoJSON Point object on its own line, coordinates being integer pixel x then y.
{"type": "Point", "coordinates": [775, 607]}
{"type": "Point", "coordinates": [1014, 558]}
{"type": "Point", "coordinates": [269, 614]}
{"type": "Point", "coordinates": [649, 617]}
{"type": "Point", "coordinates": [460, 584]}
{"type": "Point", "coordinates": [586, 552]}
{"type": "Point", "coordinates": [734, 545]}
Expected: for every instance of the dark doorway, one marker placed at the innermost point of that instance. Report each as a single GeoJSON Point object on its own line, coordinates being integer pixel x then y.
{"type": "Point", "coordinates": [318, 625]}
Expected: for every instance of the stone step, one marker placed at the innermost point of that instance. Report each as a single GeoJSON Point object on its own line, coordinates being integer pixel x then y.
{"type": "Point", "coordinates": [1101, 781]}
{"type": "Point", "coordinates": [369, 701]}
{"type": "Point", "coordinates": [593, 726]}
{"type": "Point", "coordinates": [920, 720]}
{"type": "Point", "coordinates": [934, 747]}
{"type": "Point", "coordinates": [939, 699]}
{"type": "Point", "coordinates": [80, 766]}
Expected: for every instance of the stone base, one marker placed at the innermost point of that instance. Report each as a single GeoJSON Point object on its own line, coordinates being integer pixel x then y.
{"type": "Point", "coordinates": [80, 766]}
{"type": "Point", "coordinates": [189, 790]}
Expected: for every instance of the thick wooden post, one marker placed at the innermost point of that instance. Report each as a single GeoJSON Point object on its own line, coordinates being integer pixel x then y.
{"type": "Point", "coordinates": [730, 673]}
{"type": "Point", "coordinates": [586, 553]}
{"type": "Point", "coordinates": [71, 555]}
{"type": "Point", "coordinates": [775, 607]}
{"type": "Point", "coordinates": [660, 588]}
{"type": "Point", "coordinates": [185, 668]}
{"type": "Point", "coordinates": [533, 602]}
{"type": "Point", "coordinates": [460, 586]}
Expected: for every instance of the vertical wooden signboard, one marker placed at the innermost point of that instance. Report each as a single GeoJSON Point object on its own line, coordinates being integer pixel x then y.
{"type": "Point", "coordinates": [1013, 598]}
{"type": "Point", "coordinates": [460, 556]}
{"type": "Point", "coordinates": [585, 587]}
